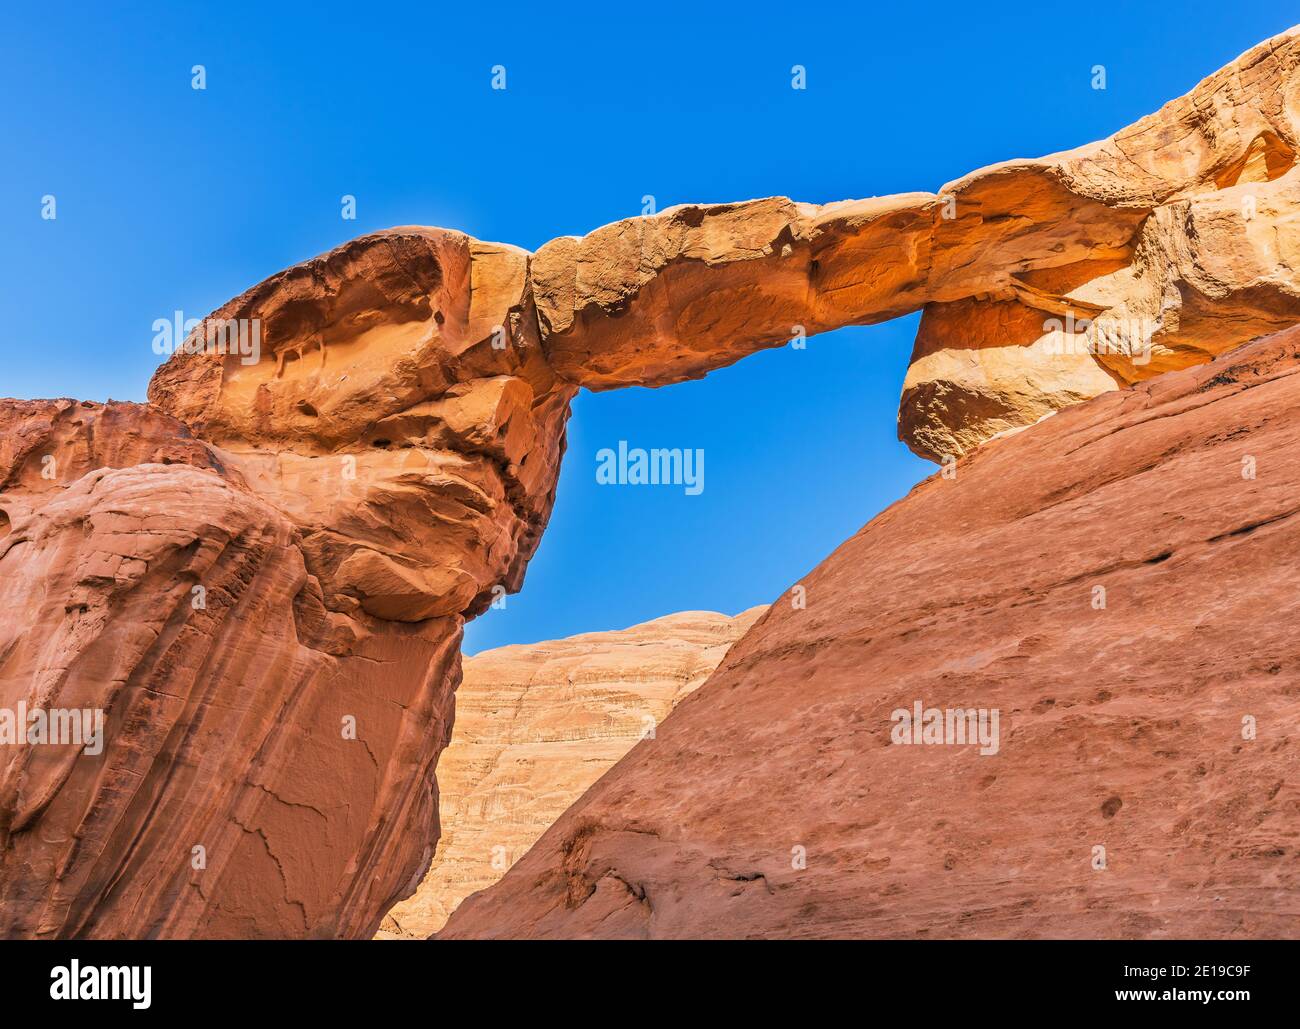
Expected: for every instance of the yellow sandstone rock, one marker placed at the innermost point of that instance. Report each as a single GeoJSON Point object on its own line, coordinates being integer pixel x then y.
{"type": "Point", "coordinates": [536, 725]}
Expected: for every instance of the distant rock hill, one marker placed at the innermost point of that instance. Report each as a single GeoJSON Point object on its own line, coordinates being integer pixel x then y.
{"type": "Point", "coordinates": [536, 725]}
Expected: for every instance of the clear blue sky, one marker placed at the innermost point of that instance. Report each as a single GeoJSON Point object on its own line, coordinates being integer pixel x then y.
{"type": "Point", "coordinates": [173, 198]}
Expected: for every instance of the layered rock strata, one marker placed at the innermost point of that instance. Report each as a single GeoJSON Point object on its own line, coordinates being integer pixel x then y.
{"type": "Point", "coordinates": [1043, 282]}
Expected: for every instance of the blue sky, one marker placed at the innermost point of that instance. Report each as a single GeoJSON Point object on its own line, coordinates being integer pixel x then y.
{"type": "Point", "coordinates": [172, 198]}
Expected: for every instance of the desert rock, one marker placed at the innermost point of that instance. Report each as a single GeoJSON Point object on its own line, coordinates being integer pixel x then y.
{"type": "Point", "coordinates": [383, 462]}
{"type": "Point", "coordinates": [226, 800]}
{"type": "Point", "coordinates": [1116, 582]}
{"type": "Point", "coordinates": [536, 724]}
{"type": "Point", "coordinates": [1043, 282]}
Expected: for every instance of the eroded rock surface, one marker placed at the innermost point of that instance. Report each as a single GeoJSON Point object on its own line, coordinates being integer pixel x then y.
{"type": "Point", "coordinates": [227, 801]}
{"type": "Point", "coordinates": [1116, 581]}
{"type": "Point", "coordinates": [1043, 282]}
{"type": "Point", "coordinates": [383, 466]}
{"type": "Point", "coordinates": [536, 725]}
{"type": "Point", "coordinates": [401, 413]}
{"type": "Point", "coordinates": [271, 615]}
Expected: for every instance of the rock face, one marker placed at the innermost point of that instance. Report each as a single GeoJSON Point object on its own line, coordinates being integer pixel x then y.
{"type": "Point", "coordinates": [228, 798]}
{"type": "Point", "coordinates": [1117, 582]}
{"type": "Point", "coordinates": [262, 576]}
{"type": "Point", "coordinates": [536, 725]}
{"type": "Point", "coordinates": [401, 414]}
{"type": "Point", "coordinates": [270, 616]}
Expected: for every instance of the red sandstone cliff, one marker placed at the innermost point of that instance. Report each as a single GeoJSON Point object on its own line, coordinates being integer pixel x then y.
{"type": "Point", "coordinates": [228, 800]}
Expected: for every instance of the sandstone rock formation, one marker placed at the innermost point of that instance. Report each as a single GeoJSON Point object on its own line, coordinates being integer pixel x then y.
{"type": "Point", "coordinates": [1043, 282]}
{"type": "Point", "coordinates": [1118, 582]}
{"type": "Point", "coordinates": [402, 415]}
{"type": "Point", "coordinates": [148, 582]}
{"type": "Point", "coordinates": [536, 725]}
{"type": "Point", "coordinates": [270, 617]}
{"type": "Point", "coordinates": [262, 576]}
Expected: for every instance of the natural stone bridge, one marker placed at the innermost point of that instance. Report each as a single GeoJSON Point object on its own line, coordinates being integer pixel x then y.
{"type": "Point", "coordinates": [262, 575]}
